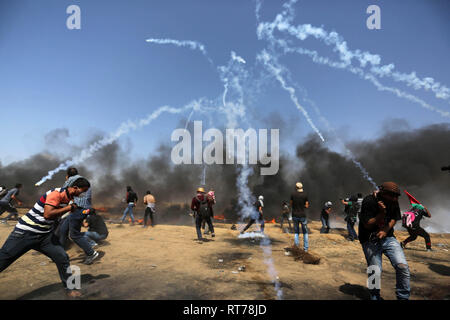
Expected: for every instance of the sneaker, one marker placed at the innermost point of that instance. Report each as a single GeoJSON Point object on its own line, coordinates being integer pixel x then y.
{"type": "Point", "coordinates": [91, 258]}
{"type": "Point", "coordinates": [94, 244]}
{"type": "Point", "coordinates": [213, 235]}
{"type": "Point", "coordinates": [429, 250]}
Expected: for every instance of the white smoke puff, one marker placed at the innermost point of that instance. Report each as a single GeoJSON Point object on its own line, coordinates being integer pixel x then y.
{"type": "Point", "coordinates": [237, 58]}
{"type": "Point", "coordinates": [252, 235]}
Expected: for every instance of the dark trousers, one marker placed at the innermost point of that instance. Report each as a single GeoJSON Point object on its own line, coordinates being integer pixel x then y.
{"type": "Point", "coordinates": [20, 242]}
{"type": "Point", "coordinates": [71, 226]}
{"type": "Point", "coordinates": [252, 221]}
{"type": "Point", "coordinates": [285, 216]}
{"type": "Point", "coordinates": [325, 223]}
{"type": "Point", "coordinates": [198, 224]}
{"type": "Point", "coordinates": [5, 206]}
{"type": "Point", "coordinates": [148, 213]}
{"type": "Point", "coordinates": [351, 230]}
{"type": "Point", "coordinates": [413, 233]}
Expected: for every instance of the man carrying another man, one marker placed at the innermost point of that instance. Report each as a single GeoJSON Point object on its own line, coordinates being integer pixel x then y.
{"type": "Point", "coordinates": [35, 230]}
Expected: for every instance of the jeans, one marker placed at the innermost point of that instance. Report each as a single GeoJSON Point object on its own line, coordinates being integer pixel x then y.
{"type": "Point", "coordinates": [75, 222]}
{"type": "Point", "coordinates": [325, 224]}
{"type": "Point", "coordinates": [129, 208]}
{"type": "Point", "coordinates": [92, 237]}
{"type": "Point", "coordinates": [304, 222]}
{"type": "Point", "coordinates": [20, 242]}
{"type": "Point", "coordinates": [351, 230]}
{"type": "Point", "coordinates": [6, 206]}
{"type": "Point", "coordinates": [63, 231]}
{"type": "Point", "coordinates": [285, 216]}
{"type": "Point", "coordinates": [198, 225]}
{"type": "Point", "coordinates": [391, 248]}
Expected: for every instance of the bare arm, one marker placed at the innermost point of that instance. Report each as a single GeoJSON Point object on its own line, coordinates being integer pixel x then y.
{"type": "Point", "coordinates": [52, 213]}
{"type": "Point", "coordinates": [17, 200]}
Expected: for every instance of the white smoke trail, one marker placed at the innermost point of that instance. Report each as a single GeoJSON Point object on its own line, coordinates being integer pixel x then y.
{"type": "Point", "coordinates": [193, 45]}
{"type": "Point", "coordinates": [124, 128]}
{"type": "Point", "coordinates": [277, 70]}
{"type": "Point", "coordinates": [360, 72]}
{"type": "Point", "coordinates": [365, 59]}
{"type": "Point", "coordinates": [266, 246]}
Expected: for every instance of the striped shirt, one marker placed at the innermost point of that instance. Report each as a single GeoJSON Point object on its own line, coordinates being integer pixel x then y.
{"type": "Point", "coordinates": [34, 220]}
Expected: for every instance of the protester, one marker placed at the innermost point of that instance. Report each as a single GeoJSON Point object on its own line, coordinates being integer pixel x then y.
{"type": "Point", "coordinates": [415, 229]}
{"type": "Point", "coordinates": [202, 211]}
{"type": "Point", "coordinates": [71, 225]}
{"type": "Point", "coordinates": [351, 212]}
{"type": "Point", "coordinates": [212, 201]}
{"type": "Point", "coordinates": [6, 202]}
{"type": "Point", "coordinates": [35, 230]}
{"type": "Point", "coordinates": [131, 199]}
{"type": "Point", "coordinates": [285, 211]}
{"type": "Point", "coordinates": [325, 216]}
{"type": "Point", "coordinates": [299, 202]}
{"type": "Point", "coordinates": [97, 230]}
{"type": "Point", "coordinates": [379, 213]}
{"type": "Point", "coordinates": [150, 209]}
{"type": "Point", "coordinates": [257, 215]}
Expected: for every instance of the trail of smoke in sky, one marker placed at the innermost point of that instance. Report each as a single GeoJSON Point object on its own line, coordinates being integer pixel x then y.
{"type": "Point", "coordinates": [124, 128]}
{"type": "Point", "coordinates": [360, 72]}
{"type": "Point", "coordinates": [193, 45]}
{"type": "Point", "coordinates": [277, 70]}
{"type": "Point", "coordinates": [302, 32]}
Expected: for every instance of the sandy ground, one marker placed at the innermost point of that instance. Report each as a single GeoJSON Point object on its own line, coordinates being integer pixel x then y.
{"type": "Point", "coordinates": [165, 262]}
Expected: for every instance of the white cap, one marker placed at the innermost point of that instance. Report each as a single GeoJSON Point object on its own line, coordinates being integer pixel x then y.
{"type": "Point", "coordinates": [260, 198]}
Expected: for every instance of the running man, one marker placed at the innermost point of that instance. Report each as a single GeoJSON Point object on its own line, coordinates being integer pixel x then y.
{"type": "Point", "coordinates": [415, 229]}
{"type": "Point", "coordinates": [35, 231]}
{"type": "Point", "coordinates": [7, 200]}
{"type": "Point", "coordinates": [257, 215]}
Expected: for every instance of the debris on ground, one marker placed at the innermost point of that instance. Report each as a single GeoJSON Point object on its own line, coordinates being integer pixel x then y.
{"type": "Point", "coordinates": [300, 254]}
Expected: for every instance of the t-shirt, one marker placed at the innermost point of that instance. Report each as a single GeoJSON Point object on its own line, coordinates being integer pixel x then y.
{"type": "Point", "coordinates": [97, 224]}
{"type": "Point", "coordinates": [369, 210]}
{"type": "Point", "coordinates": [258, 204]}
{"type": "Point", "coordinates": [34, 220]}
{"type": "Point", "coordinates": [299, 200]}
{"type": "Point", "coordinates": [131, 196]}
{"type": "Point", "coordinates": [324, 213]}
{"type": "Point", "coordinates": [9, 194]}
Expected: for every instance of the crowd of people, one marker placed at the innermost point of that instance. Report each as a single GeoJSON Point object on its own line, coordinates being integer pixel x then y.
{"type": "Point", "coordinates": [60, 213]}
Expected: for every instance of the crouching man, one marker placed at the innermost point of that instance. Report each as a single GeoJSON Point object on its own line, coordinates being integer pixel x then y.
{"type": "Point", "coordinates": [379, 213]}
{"type": "Point", "coordinates": [97, 230]}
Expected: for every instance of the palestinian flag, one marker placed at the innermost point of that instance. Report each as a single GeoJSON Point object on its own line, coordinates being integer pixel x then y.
{"type": "Point", "coordinates": [412, 200]}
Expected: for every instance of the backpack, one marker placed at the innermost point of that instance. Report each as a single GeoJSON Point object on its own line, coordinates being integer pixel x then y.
{"type": "Point", "coordinates": [203, 210]}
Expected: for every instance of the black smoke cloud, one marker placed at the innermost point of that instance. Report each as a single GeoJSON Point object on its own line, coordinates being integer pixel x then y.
{"type": "Point", "coordinates": [412, 158]}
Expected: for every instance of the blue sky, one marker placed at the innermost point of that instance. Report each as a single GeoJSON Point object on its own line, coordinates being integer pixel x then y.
{"type": "Point", "coordinates": [93, 79]}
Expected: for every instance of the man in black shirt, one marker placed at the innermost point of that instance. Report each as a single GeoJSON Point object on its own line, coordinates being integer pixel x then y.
{"type": "Point", "coordinates": [299, 202]}
{"type": "Point", "coordinates": [258, 215]}
{"type": "Point", "coordinates": [97, 228]}
{"type": "Point", "coordinates": [379, 213]}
